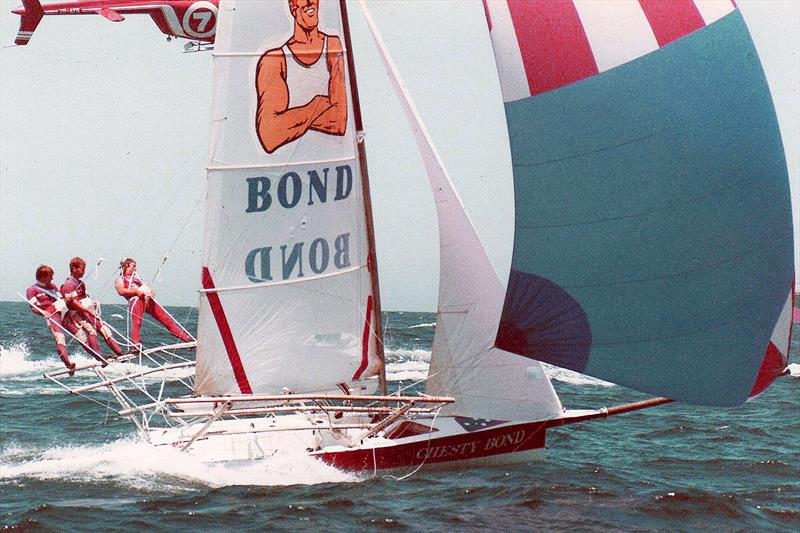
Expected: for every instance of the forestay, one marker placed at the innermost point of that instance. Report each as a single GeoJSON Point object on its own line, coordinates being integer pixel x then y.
{"type": "Point", "coordinates": [286, 300]}
{"type": "Point", "coordinates": [653, 238]}
{"type": "Point", "coordinates": [485, 381]}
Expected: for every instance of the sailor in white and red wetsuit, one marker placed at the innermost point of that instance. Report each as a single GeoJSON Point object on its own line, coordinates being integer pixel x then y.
{"type": "Point", "coordinates": [141, 299]}
{"type": "Point", "coordinates": [45, 300]}
{"type": "Point", "coordinates": [84, 313]}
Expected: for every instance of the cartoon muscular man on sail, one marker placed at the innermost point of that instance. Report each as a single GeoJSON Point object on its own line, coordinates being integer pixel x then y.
{"type": "Point", "coordinates": [301, 85]}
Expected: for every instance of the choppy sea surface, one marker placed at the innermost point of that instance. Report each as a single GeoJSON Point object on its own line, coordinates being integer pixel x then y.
{"type": "Point", "coordinates": [67, 463]}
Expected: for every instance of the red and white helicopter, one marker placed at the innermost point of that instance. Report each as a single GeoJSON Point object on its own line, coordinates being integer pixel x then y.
{"type": "Point", "coordinates": [189, 19]}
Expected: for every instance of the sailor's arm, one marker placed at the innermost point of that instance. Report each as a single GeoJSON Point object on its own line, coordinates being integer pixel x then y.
{"type": "Point", "coordinates": [123, 291]}
{"type": "Point", "coordinates": [130, 292]}
{"type": "Point", "coordinates": [76, 304]}
{"type": "Point", "coordinates": [36, 305]}
{"type": "Point", "coordinates": [30, 294]}
{"type": "Point", "coordinates": [70, 293]}
{"type": "Point", "coordinates": [276, 124]}
{"type": "Point", "coordinates": [334, 120]}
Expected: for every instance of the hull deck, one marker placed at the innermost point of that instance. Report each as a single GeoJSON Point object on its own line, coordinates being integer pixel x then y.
{"type": "Point", "coordinates": [443, 442]}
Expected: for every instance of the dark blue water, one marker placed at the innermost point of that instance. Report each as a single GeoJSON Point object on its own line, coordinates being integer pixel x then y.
{"type": "Point", "coordinates": [68, 464]}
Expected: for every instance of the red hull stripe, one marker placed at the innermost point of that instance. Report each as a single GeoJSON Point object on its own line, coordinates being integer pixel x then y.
{"type": "Point", "coordinates": [225, 332]}
{"type": "Point", "coordinates": [671, 20]}
{"type": "Point", "coordinates": [365, 340]}
{"type": "Point", "coordinates": [464, 446]}
{"type": "Point", "coordinates": [553, 44]}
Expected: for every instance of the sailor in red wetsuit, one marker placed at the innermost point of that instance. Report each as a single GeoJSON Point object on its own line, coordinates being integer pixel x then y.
{"type": "Point", "coordinates": [141, 299]}
{"type": "Point", "coordinates": [84, 313]}
{"type": "Point", "coordinates": [45, 300]}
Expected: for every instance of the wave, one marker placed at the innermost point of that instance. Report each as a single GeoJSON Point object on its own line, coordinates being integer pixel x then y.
{"type": "Point", "coordinates": [695, 502]}
{"type": "Point", "coordinates": [407, 365]}
{"type": "Point", "coordinates": [794, 370]}
{"type": "Point", "coordinates": [21, 375]}
{"type": "Point", "coordinates": [15, 360]}
{"type": "Point", "coordinates": [407, 370]}
{"type": "Point", "coordinates": [134, 463]}
{"type": "Point", "coordinates": [429, 325]}
{"type": "Point", "coordinates": [400, 356]}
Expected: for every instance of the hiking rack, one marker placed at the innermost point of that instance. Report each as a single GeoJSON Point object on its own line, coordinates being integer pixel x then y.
{"type": "Point", "coordinates": [194, 417]}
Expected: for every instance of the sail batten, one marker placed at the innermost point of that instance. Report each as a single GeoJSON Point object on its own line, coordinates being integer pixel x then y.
{"type": "Point", "coordinates": [256, 285]}
{"type": "Point", "coordinates": [276, 165]}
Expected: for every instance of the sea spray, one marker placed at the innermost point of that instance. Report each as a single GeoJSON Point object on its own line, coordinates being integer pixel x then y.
{"type": "Point", "coordinates": [16, 360]}
{"type": "Point", "coordinates": [139, 465]}
{"type": "Point", "coordinates": [403, 365]}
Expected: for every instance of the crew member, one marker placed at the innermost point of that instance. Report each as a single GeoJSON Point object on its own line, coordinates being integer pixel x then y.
{"type": "Point", "coordinates": [141, 299]}
{"type": "Point", "coordinates": [83, 312]}
{"type": "Point", "coordinates": [45, 300]}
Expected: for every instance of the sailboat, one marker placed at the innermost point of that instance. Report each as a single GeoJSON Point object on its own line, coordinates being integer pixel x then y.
{"type": "Point", "coordinates": [653, 240]}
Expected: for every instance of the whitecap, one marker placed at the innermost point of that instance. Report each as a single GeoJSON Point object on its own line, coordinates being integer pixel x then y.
{"type": "Point", "coordinates": [406, 376]}
{"type": "Point", "coordinates": [16, 361]}
{"type": "Point", "coordinates": [430, 325]}
{"type": "Point", "coordinates": [399, 356]}
{"type": "Point", "coordinates": [418, 366]}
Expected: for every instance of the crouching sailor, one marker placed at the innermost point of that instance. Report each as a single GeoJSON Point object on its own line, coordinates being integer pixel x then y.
{"type": "Point", "coordinates": [141, 299]}
{"type": "Point", "coordinates": [83, 312]}
{"type": "Point", "coordinates": [45, 300]}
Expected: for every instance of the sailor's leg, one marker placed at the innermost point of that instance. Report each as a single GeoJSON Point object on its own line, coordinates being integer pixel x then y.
{"type": "Point", "coordinates": [91, 334]}
{"type": "Point", "coordinates": [105, 332]}
{"type": "Point", "coordinates": [72, 324]}
{"type": "Point", "coordinates": [160, 314]}
{"type": "Point", "coordinates": [55, 324]}
{"type": "Point", "coordinates": [136, 310]}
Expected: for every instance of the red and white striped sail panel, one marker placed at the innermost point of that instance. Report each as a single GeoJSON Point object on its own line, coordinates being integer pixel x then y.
{"type": "Point", "coordinates": [653, 238]}
{"type": "Point", "coordinates": [564, 41]}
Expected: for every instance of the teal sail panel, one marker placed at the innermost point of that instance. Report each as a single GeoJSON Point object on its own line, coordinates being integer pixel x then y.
{"type": "Point", "coordinates": [653, 237]}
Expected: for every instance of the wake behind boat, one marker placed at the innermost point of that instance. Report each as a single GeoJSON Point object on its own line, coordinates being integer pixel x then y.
{"type": "Point", "coordinates": [608, 243]}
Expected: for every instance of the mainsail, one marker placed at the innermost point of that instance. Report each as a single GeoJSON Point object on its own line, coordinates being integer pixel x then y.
{"type": "Point", "coordinates": [487, 382]}
{"type": "Point", "coordinates": [287, 300]}
{"type": "Point", "coordinates": [653, 238]}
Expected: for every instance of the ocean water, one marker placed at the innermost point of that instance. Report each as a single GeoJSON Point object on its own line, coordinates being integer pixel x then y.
{"type": "Point", "coordinates": [67, 463]}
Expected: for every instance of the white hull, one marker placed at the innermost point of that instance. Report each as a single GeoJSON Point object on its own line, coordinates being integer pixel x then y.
{"type": "Point", "coordinates": [441, 442]}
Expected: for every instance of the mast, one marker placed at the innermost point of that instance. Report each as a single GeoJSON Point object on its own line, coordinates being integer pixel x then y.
{"type": "Point", "coordinates": [372, 260]}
